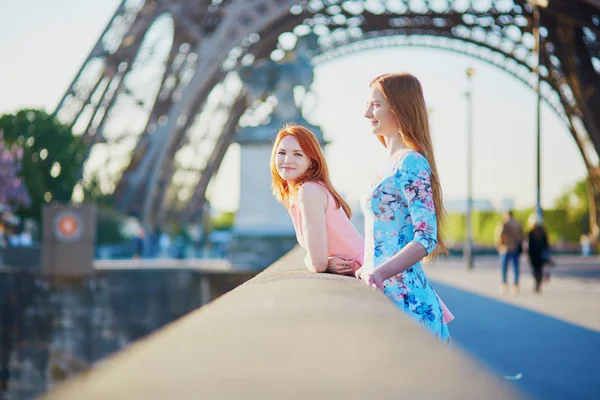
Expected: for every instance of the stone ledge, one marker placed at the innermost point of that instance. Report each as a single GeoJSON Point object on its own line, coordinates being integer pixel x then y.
{"type": "Point", "coordinates": [290, 334]}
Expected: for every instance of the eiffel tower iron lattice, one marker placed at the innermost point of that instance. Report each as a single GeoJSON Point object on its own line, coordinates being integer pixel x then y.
{"type": "Point", "coordinates": [166, 71]}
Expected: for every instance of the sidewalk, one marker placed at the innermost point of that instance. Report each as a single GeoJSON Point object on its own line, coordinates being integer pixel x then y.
{"type": "Point", "coordinates": [572, 295]}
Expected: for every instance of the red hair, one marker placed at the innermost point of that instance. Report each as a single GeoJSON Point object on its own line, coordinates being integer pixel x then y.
{"type": "Point", "coordinates": [317, 172]}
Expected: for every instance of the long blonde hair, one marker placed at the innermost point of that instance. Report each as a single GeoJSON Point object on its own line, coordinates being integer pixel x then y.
{"type": "Point", "coordinates": [317, 172]}
{"type": "Point", "coordinates": [404, 95]}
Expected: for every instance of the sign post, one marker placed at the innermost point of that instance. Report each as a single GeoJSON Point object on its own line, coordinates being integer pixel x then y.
{"type": "Point", "coordinates": [68, 239]}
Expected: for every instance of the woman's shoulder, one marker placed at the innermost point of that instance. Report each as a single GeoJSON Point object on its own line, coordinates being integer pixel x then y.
{"type": "Point", "coordinates": [411, 160]}
{"type": "Point", "coordinates": [311, 191]}
{"type": "Point", "coordinates": [412, 157]}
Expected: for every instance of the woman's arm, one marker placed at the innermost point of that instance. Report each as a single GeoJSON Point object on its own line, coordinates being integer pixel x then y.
{"type": "Point", "coordinates": [411, 254]}
{"type": "Point", "coordinates": [312, 201]}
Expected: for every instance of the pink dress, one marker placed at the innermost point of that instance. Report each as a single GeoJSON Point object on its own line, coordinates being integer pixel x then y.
{"type": "Point", "coordinates": [343, 240]}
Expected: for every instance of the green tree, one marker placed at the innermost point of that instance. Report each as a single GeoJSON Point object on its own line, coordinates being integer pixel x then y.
{"type": "Point", "coordinates": [223, 221]}
{"type": "Point", "coordinates": [52, 157]}
{"type": "Point", "coordinates": [574, 201]}
{"type": "Point", "coordinates": [108, 227]}
{"type": "Point", "coordinates": [109, 220]}
{"type": "Point", "coordinates": [93, 193]}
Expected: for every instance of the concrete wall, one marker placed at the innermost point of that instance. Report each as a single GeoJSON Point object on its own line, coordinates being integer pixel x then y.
{"type": "Point", "coordinates": [28, 258]}
{"type": "Point", "coordinates": [51, 330]}
{"type": "Point", "coordinates": [290, 334]}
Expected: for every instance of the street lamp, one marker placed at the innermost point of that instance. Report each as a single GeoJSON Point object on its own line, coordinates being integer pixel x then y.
{"type": "Point", "coordinates": [536, 5]}
{"type": "Point", "coordinates": [468, 247]}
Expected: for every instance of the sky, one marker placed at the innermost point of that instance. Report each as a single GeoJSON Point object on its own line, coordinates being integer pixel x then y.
{"type": "Point", "coordinates": [43, 44]}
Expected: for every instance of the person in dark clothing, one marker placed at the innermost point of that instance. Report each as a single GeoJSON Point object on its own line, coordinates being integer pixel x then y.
{"type": "Point", "coordinates": [138, 244]}
{"type": "Point", "coordinates": [538, 250]}
{"type": "Point", "coordinates": [509, 242]}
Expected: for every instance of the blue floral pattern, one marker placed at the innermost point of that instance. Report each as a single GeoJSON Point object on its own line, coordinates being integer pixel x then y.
{"type": "Point", "coordinates": [400, 210]}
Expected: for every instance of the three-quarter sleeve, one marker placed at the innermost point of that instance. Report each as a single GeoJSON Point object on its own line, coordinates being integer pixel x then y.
{"type": "Point", "coordinates": [413, 177]}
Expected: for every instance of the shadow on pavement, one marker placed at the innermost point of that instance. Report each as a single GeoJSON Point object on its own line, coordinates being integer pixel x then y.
{"type": "Point", "coordinates": [556, 359]}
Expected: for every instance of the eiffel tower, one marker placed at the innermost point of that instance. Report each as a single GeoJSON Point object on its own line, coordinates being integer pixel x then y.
{"type": "Point", "coordinates": [160, 85]}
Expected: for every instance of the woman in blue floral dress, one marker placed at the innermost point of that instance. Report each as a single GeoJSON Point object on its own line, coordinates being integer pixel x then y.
{"type": "Point", "coordinates": [404, 207]}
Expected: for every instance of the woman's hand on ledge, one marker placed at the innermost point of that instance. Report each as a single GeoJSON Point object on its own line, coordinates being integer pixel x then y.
{"type": "Point", "coordinates": [335, 265]}
{"type": "Point", "coordinates": [370, 277]}
{"type": "Point", "coordinates": [340, 266]}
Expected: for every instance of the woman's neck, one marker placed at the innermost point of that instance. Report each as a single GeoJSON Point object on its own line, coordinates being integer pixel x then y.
{"type": "Point", "coordinates": [292, 193]}
{"type": "Point", "coordinates": [395, 145]}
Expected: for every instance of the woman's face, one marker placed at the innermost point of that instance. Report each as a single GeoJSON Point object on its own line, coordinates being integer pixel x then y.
{"type": "Point", "coordinates": [382, 120]}
{"type": "Point", "coordinates": [290, 160]}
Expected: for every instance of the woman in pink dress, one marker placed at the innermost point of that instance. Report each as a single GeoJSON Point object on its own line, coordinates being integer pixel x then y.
{"type": "Point", "coordinates": [321, 217]}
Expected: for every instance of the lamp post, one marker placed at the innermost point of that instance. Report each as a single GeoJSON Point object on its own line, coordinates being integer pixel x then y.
{"type": "Point", "coordinates": [536, 5]}
{"type": "Point", "coordinates": [468, 247]}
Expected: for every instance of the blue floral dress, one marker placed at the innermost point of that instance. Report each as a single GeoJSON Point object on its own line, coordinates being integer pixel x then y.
{"type": "Point", "coordinates": [400, 210]}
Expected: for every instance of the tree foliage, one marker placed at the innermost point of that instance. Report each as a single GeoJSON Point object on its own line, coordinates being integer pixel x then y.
{"type": "Point", "coordinates": [574, 201]}
{"type": "Point", "coordinates": [223, 221]}
{"type": "Point", "coordinates": [52, 157]}
{"type": "Point", "coordinates": [108, 227]}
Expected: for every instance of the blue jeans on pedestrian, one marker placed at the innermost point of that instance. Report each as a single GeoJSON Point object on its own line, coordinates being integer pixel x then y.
{"type": "Point", "coordinates": [505, 258]}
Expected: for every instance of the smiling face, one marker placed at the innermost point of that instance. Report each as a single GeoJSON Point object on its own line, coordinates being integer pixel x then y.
{"type": "Point", "coordinates": [291, 162]}
{"type": "Point", "coordinates": [380, 116]}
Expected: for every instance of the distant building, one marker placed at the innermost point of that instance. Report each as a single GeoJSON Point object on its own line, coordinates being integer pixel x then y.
{"type": "Point", "coordinates": [460, 206]}
{"type": "Point", "coordinates": [507, 204]}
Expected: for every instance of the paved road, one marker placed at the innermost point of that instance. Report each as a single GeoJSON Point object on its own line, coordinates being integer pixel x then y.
{"type": "Point", "coordinates": [544, 355]}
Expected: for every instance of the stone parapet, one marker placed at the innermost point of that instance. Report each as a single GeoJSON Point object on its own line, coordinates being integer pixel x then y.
{"type": "Point", "coordinates": [290, 334]}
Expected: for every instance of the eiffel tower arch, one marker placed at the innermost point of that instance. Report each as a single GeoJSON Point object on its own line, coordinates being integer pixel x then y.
{"type": "Point", "coordinates": [191, 106]}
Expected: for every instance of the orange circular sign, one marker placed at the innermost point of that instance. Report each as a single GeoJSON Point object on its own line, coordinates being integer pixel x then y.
{"type": "Point", "coordinates": [68, 226]}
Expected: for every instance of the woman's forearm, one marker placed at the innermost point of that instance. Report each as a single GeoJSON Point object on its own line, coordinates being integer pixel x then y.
{"type": "Point", "coordinates": [411, 254]}
{"type": "Point", "coordinates": [315, 266]}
